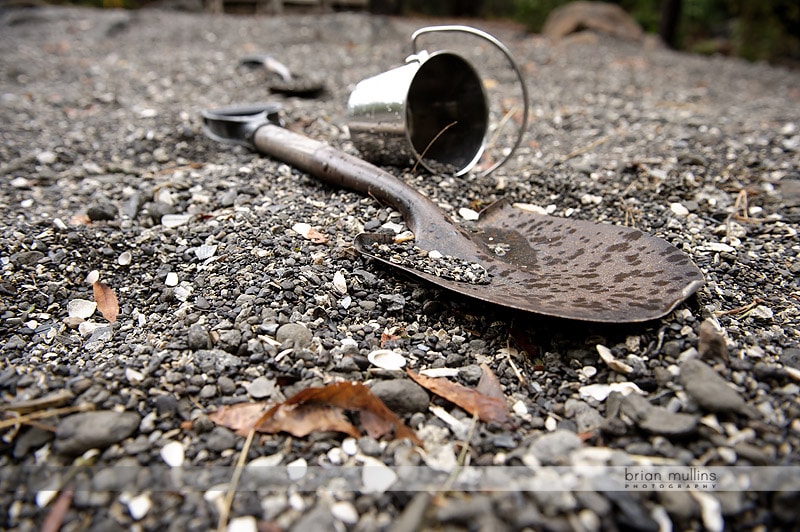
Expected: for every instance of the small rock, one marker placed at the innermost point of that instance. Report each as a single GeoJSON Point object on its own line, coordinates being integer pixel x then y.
{"type": "Point", "coordinates": [27, 258]}
{"type": "Point", "coordinates": [345, 512]}
{"type": "Point", "coordinates": [101, 212]}
{"type": "Point", "coordinates": [172, 454]}
{"type": "Point", "coordinates": [78, 433]}
{"type": "Point", "coordinates": [30, 440]}
{"type": "Point", "coordinates": [229, 340]}
{"type": "Point", "coordinates": [297, 469]}
{"type": "Point", "coordinates": [554, 448]}
{"type": "Point", "coordinates": [791, 357]}
{"type": "Point", "coordinates": [709, 389]}
{"type": "Point", "coordinates": [46, 157]}
{"type": "Point", "coordinates": [711, 342]}
{"type": "Point", "coordinates": [402, 395]}
{"type": "Point", "coordinates": [221, 439]}
{"type": "Point", "coordinates": [656, 419]}
{"type": "Point", "coordinates": [261, 388]}
{"type": "Point", "coordinates": [294, 335]}
{"type": "Point", "coordinates": [198, 337]}
{"type": "Point", "coordinates": [318, 518]}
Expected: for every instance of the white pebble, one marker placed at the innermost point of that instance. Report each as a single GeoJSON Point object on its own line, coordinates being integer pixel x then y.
{"type": "Point", "coordinates": [270, 460]}
{"type": "Point", "coordinates": [350, 446]}
{"type": "Point", "coordinates": [591, 199]}
{"type": "Point", "coordinates": [134, 376]}
{"type": "Point", "coordinates": [550, 423]}
{"type": "Point", "coordinates": [340, 283]}
{"type": "Point", "coordinates": [244, 523]}
{"type": "Point", "coordinates": [345, 512]}
{"type": "Point", "coordinates": [678, 209]}
{"type": "Point", "coordinates": [710, 510]}
{"type": "Point", "coordinates": [435, 255]}
{"type": "Point", "coordinates": [387, 359]}
{"type": "Point", "coordinates": [92, 277]}
{"type": "Point", "coordinates": [440, 372]}
{"type": "Point", "coordinates": [81, 308]}
{"type": "Point", "coordinates": [519, 408]}
{"type": "Point", "coordinates": [302, 229]}
{"type": "Point", "coordinates": [376, 476]}
{"type": "Point", "coordinates": [599, 392]}
{"type": "Point", "coordinates": [138, 506]}
{"type": "Point", "coordinates": [46, 157]}
{"type": "Point", "coordinates": [172, 279]}
{"type": "Point", "coordinates": [297, 469]}
{"type": "Point", "coordinates": [173, 454]}
{"type": "Point", "coordinates": [468, 214]}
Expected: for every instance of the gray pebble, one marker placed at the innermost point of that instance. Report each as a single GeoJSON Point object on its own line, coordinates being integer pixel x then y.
{"type": "Point", "coordinates": [402, 396]}
{"type": "Point", "coordinates": [208, 391]}
{"type": "Point", "coordinates": [261, 387]}
{"type": "Point", "coordinates": [101, 212]}
{"type": "Point", "coordinates": [369, 446]}
{"type": "Point", "coordinates": [294, 335]}
{"type": "Point", "coordinates": [471, 374]}
{"type": "Point", "coordinates": [198, 337]}
{"type": "Point", "coordinates": [229, 340]}
{"type": "Point", "coordinates": [221, 439]}
{"type": "Point", "coordinates": [30, 440]}
{"type": "Point", "coordinates": [555, 447]}
{"type": "Point", "coordinates": [657, 419]}
{"type": "Point", "coordinates": [709, 389]}
{"type": "Point", "coordinates": [78, 433]}
{"type": "Point", "coordinates": [226, 385]}
{"type": "Point", "coordinates": [27, 258]}
{"type": "Point", "coordinates": [791, 357]}
{"type": "Point", "coordinates": [213, 360]}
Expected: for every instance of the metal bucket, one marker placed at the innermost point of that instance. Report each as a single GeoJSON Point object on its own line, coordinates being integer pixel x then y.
{"type": "Point", "coordinates": [431, 111]}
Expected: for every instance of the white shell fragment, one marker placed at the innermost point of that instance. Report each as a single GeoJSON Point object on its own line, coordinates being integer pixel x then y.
{"type": "Point", "coordinates": [172, 279]}
{"type": "Point", "coordinates": [439, 372]}
{"type": "Point", "coordinates": [599, 392]}
{"type": "Point", "coordinates": [244, 523]}
{"type": "Point", "coordinates": [345, 512]}
{"type": "Point", "coordinates": [302, 229]}
{"type": "Point", "coordinates": [339, 283]}
{"type": "Point", "coordinates": [81, 308]}
{"type": "Point", "coordinates": [387, 359]}
{"type": "Point", "coordinates": [93, 277]}
{"type": "Point", "coordinates": [468, 214]}
{"type": "Point", "coordinates": [134, 376]}
{"type": "Point", "coordinates": [175, 220]}
{"type": "Point", "coordinates": [172, 454]}
{"type": "Point", "coordinates": [297, 469]}
{"type": "Point", "coordinates": [205, 251]}
{"type": "Point", "coordinates": [611, 362]}
{"type": "Point", "coordinates": [125, 258]}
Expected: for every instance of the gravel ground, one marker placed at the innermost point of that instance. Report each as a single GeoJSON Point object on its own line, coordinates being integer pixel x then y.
{"type": "Point", "coordinates": [105, 169]}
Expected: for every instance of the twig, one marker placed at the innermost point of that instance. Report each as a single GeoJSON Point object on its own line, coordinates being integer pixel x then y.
{"type": "Point", "coordinates": [462, 456]}
{"type": "Point", "coordinates": [584, 149]}
{"type": "Point", "coordinates": [740, 310]}
{"type": "Point", "coordinates": [514, 367]}
{"type": "Point", "coordinates": [83, 407]}
{"type": "Point", "coordinates": [237, 474]}
{"type": "Point", "coordinates": [439, 134]}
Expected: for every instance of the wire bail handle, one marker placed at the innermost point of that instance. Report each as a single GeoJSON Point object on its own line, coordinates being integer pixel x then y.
{"type": "Point", "coordinates": [507, 53]}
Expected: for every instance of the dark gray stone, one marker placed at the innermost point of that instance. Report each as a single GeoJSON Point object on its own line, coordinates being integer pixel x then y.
{"type": "Point", "coordinates": [78, 433]}
{"type": "Point", "coordinates": [294, 335]}
{"type": "Point", "coordinates": [709, 389]}
{"type": "Point", "coordinates": [402, 396]}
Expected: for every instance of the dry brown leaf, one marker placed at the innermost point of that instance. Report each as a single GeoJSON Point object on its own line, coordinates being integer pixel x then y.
{"type": "Point", "coordinates": [106, 301]}
{"type": "Point", "coordinates": [489, 385]}
{"type": "Point", "coordinates": [318, 405]}
{"type": "Point", "coordinates": [303, 419]}
{"type": "Point", "coordinates": [55, 517]}
{"type": "Point", "coordinates": [316, 237]}
{"type": "Point", "coordinates": [240, 417]}
{"type": "Point", "coordinates": [489, 409]}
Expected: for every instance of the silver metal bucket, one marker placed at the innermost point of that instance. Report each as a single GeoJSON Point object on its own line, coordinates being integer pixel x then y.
{"type": "Point", "coordinates": [431, 111]}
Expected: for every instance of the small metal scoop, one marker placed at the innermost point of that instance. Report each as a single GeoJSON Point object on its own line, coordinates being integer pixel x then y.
{"type": "Point", "coordinates": [514, 258]}
{"type": "Point", "coordinates": [286, 82]}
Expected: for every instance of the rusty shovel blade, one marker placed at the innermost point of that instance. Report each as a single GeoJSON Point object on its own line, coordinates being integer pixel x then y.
{"type": "Point", "coordinates": [514, 258]}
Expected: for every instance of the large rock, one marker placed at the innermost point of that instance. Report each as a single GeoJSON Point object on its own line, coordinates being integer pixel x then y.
{"type": "Point", "coordinates": [94, 430]}
{"type": "Point", "coordinates": [600, 17]}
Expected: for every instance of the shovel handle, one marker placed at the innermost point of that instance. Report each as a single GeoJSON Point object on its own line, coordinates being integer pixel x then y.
{"type": "Point", "coordinates": [343, 170]}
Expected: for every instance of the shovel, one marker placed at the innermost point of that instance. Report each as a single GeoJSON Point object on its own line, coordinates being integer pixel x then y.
{"type": "Point", "coordinates": [515, 258]}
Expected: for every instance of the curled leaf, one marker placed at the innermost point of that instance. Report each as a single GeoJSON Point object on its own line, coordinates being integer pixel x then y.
{"type": "Point", "coordinates": [106, 301]}
{"type": "Point", "coordinates": [489, 409]}
{"type": "Point", "coordinates": [320, 409]}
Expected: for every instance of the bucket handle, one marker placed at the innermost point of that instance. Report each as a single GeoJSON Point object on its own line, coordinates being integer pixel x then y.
{"type": "Point", "coordinates": [504, 49]}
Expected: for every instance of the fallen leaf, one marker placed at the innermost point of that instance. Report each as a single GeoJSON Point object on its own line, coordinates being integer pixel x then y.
{"type": "Point", "coordinates": [489, 385]}
{"type": "Point", "coordinates": [55, 517]}
{"type": "Point", "coordinates": [306, 231]}
{"type": "Point", "coordinates": [239, 417]}
{"type": "Point", "coordinates": [323, 409]}
{"type": "Point", "coordinates": [489, 409]}
{"type": "Point", "coordinates": [106, 301]}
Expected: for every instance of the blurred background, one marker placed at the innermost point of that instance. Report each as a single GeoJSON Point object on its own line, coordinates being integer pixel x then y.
{"type": "Point", "coordinates": [757, 30]}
